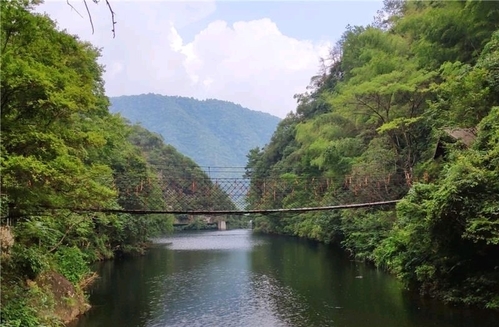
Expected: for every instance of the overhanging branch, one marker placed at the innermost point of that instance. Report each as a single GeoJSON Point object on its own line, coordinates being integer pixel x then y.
{"type": "Point", "coordinates": [113, 15]}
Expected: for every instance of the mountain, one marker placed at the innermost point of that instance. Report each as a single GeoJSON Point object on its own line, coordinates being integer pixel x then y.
{"type": "Point", "coordinates": [213, 133]}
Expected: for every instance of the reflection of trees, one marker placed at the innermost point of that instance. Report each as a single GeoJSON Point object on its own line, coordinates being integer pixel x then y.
{"type": "Point", "coordinates": [308, 280]}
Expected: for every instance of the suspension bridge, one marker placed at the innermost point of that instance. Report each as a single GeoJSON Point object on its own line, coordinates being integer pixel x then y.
{"type": "Point", "coordinates": [228, 191]}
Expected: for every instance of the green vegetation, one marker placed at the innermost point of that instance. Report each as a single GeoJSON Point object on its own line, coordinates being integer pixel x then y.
{"type": "Point", "coordinates": [394, 115]}
{"type": "Point", "coordinates": [200, 129]}
{"type": "Point", "coordinates": [381, 119]}
{"type": "Point", "coordinates": [62, 150]}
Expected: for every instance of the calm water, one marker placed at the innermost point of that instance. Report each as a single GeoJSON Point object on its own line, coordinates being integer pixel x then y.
{"type": "Point", "coordinates": [236, 278]}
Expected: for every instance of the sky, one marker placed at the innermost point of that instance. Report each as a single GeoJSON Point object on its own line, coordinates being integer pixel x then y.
{"type": "Point", "coordinates": [254, 53]}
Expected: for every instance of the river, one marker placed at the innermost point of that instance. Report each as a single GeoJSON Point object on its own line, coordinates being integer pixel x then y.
{"type": "Point", "coordinates": [237, 278]}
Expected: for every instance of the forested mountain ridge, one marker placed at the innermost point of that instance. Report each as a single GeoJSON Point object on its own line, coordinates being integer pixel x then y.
{"type": "Point", "coordinates": [63, 151]}
{"type": "Point", "coordinates": [393, 91]}
{"type": "Point", "coordinates": [211, 132]}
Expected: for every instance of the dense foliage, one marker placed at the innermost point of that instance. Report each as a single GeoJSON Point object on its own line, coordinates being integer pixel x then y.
{"type": "Point", "coordinates": [62, 150]}
{"type": "Point", "coordinates": [200, 129]}
{"type": "Point", "coordinates": [399, 104]}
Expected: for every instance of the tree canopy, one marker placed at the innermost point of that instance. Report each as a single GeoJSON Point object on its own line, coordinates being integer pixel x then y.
{"type": "Point", "coordinates": [372, 121]}
{"type": "Point", "coordinates": [62, 150]}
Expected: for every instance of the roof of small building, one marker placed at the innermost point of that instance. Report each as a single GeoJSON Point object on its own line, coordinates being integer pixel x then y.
{"type": "Point", "coordinates": [465, 135]}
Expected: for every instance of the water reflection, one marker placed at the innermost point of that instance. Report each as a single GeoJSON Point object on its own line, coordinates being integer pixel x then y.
{"type": "Point", "coordinates": [213, 284]}
{"type": "Point", "coordinates": [234, 278]}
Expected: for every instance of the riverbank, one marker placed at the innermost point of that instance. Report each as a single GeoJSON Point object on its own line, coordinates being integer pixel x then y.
{"type": "Point", "coordinates": [42, 287]}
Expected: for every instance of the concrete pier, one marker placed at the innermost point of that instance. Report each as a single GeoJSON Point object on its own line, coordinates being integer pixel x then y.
{"type": "Point", "coordinates": [222, 225]}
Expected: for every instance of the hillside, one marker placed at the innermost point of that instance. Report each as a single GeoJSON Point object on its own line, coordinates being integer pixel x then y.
{"type": "Point", "coordinates": [63, 151]}
{"type": "Point", "coordinates": [424, 76]}
{"type": "Point", "coordinates": [213, 133]}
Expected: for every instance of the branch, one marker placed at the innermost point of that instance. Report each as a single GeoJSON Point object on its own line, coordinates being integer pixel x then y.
{"type": "Point", "coordinates": [66, 234]}
{"type": "Point", "coordinates": [113, 14]}
{"type": "Point", "coordinates": [69, 4]}
{"type": "Point", "coordinates": [364, 103]}
{"type": "Point", "coordinates": [112, 17]}
{"type": "Point", "coordinates": [89, 15]}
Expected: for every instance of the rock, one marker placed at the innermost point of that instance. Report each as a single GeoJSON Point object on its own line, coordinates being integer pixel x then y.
{"type": "Point", "coordinates": [69, 303]}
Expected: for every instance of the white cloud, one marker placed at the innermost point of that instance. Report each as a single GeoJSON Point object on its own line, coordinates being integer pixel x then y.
{"type": "Point", "coordinates": [249, 62]}
{"type": "Point", "coordinates": [252, 63]}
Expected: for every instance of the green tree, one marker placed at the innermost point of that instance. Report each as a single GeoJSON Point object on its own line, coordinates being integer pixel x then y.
{"type": "Point", "coordinates": [446, 237]}
{"type": "Point", "coordinates": [50, 81]}
{"type": "Point", "coordinates": [372, 124]}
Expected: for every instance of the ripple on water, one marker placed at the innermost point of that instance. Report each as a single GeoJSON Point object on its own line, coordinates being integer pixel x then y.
{"type": "Point", "coordinates": [227, 279]}
{"type": "Point", "coordinates": [262, 303]}
{"type": "Point", "coordinates": [240, 298]}
{"type": "Point", "coordinates": [221, 240]}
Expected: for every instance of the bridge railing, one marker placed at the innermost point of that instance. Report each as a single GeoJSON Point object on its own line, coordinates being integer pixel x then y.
{"type": "Point", "coordinates": [216, 194]}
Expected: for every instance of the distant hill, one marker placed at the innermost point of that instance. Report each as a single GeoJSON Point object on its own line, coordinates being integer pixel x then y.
{"type": "Point", "coordinates": [213, 133]}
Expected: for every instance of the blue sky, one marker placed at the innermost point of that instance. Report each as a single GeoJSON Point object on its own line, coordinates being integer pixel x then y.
{"type": "Point", "coordinates": [255, 53]}
{"type": "Point", "coordinates": [311, 20]}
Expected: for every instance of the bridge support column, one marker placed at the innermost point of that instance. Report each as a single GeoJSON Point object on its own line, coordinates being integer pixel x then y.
{"type": "Point", "coordinates": [222, 225]}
